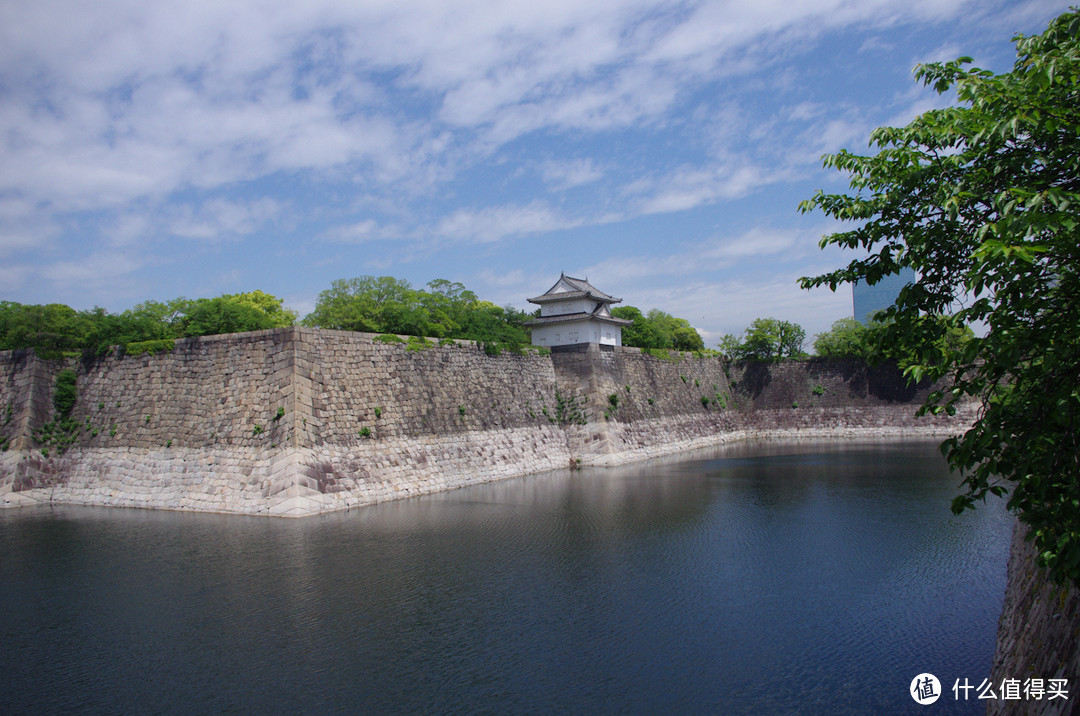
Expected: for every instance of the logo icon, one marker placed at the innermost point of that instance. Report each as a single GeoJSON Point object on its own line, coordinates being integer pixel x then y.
{"type": "Point", "coordinates": [925, 689]}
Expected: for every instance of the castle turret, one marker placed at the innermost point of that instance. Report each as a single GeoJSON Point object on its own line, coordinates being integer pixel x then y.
{"type": "Point", "coordinates": [574, 312]}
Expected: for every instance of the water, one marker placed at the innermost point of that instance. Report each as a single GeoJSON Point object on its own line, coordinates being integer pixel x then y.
{"type": "Point", "coordinates": [794, 578]}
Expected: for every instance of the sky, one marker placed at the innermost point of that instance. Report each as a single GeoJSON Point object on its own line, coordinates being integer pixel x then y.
{"type": "Point", "coordinates": [187, 148]}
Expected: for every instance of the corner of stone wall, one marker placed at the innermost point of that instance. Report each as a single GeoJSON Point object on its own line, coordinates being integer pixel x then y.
{"type": "Point", "coordinates": [32, 399]}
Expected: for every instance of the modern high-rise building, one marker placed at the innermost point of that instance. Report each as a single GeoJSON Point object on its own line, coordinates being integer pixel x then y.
{"type": "Point", "coordinates": [869, 300]}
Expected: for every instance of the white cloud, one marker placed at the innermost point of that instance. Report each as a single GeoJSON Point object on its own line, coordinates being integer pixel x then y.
{"type": "Point", "coordinates": [689, 187]}
{"type": "Point", "coordinates": [96, 270]}
{"type": "Point", "coordinates": [569, 173]}
{"type": "Point", "coordinates": [496, 223]}
{"type": "Point", "coordinates": [755, 245]}
{"type": "Point", "coordinates": [355, 233]}
{"type": "Point", "coordinates": [218, 219]}
{"type": "Point", "coordinates": [114, 101]}
{"type": "Point", "coordinates": [127, 122]}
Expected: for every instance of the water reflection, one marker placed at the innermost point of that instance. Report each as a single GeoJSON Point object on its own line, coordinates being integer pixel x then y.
{"type": "Point", "coordinates": [755, 578]}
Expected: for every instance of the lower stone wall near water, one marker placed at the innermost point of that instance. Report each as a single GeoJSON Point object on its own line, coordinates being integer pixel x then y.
{"type": "Point", "coordinates": [1038, 634]}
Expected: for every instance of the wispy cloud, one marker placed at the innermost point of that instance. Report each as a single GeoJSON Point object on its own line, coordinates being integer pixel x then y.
{"type": "Point", "coordinates": [427, 130]}
{"type": "Point", "coordinates": [569, 173]}
{"type": "Point", "coordinates": [496, 223]}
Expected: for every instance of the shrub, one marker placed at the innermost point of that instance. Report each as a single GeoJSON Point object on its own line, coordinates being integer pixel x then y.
{"type": "Point", "coordinates": [65, 392]}
{"type": "Point", "coordinates": [418, 343]}
{"type": "Point", "coordinates": [138, 348]}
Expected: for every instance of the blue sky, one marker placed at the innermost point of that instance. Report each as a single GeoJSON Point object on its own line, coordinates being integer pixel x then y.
{"type": "Point", "coordinates": [162, 149]}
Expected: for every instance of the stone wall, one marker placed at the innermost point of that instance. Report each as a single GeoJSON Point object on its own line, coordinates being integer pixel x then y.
{"type": "Point", "coordinates": [296, 421]}
{"type": "Point", "coordinates": [1038, 634]}
{"type": "Point", "coordinates": [25, 397]}
{"type": "Point", "coordinates": [642, 406]}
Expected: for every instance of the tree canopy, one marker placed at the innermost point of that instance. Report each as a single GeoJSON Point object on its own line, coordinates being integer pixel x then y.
{"type": "Point", "coordinates": [849, 338]}
{"type": "Point", "coordinates": [390, 305]}
{"type": "Point", "coordinates": [982, 199]}
{"type": "Point", "coordinates": [55, 328]}
{"type": "Point", "coordinates": [657, 330]}
{"type": "Point", "coordinates": [766, 339]}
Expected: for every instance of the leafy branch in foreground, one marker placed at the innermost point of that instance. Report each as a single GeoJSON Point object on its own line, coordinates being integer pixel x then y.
{"type": "Point", "coordinates": [982, 199]}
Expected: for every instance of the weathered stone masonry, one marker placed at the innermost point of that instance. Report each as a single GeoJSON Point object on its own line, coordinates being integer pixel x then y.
{"type": "Point", "coordinates": [298, 421]}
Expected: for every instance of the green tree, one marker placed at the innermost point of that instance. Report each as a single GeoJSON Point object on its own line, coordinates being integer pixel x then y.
{"type": "Point", "coordinates": [642, 333]}
{"type": "Point", "coordinates": [766, 339]}
{"type": "Point", "coordinates": [847, 338]}
{"type": "Point", "coordinates": [983, 200]}
{"type": "Point", "coordinates": [382, 304]}
{"type": "Point", "coordinates": [224, 314]}
{"type": "Point", "coordinates": [657, 330]}
{"type": "Point", "coordinates": [50, 329]}
{"type": "Point", "coordinates": [270, 306]}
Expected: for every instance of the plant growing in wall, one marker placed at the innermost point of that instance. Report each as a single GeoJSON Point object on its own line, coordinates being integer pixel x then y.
{"type": "Point", "coordinates": [418, 343]}
{"type": "Point", "coordinates": [818, 390]}
{"type": "Point", "coordinates": [613, 405]}
{"type": "Point", "coordinates": [705, 401]}
{"type": "Point", "coordinates": [256, 430]}
{"type": "Point", "coordinates": [62, 430]}
{"type": "Point", "coordinates": [378, 412]}
{"type": "Point", "coordinates": [461, 410]}
{"type": "Point", "coordinates": [280, 414]}
{"type": "Point", "coordinates": [568, 411]}
{"type": "Point", "coordinates": [65, 392]}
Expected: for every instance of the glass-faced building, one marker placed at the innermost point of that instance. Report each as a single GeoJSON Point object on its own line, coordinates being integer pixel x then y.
{"type": "Point", "coordinates": [869, 300]}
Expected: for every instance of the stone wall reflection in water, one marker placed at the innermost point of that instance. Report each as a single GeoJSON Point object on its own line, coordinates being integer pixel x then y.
{"type": "Point", "coordinates": [756, 578]}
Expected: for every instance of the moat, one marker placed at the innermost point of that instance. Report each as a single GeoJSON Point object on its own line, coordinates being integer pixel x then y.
{"type": "Point", "coordinates": [759, 577]}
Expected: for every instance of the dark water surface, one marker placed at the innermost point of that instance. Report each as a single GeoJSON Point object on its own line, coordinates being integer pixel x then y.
{"type": "Point", "coordinates": [768, 578]}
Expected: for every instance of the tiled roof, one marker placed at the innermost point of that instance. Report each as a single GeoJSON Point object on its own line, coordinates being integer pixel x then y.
{"type": "Point", "coordinates": [584, 285]}
{"type": "Point", "coordinates": [579, 316]}
{"type": "Point", "coordinates": [582, 289]}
